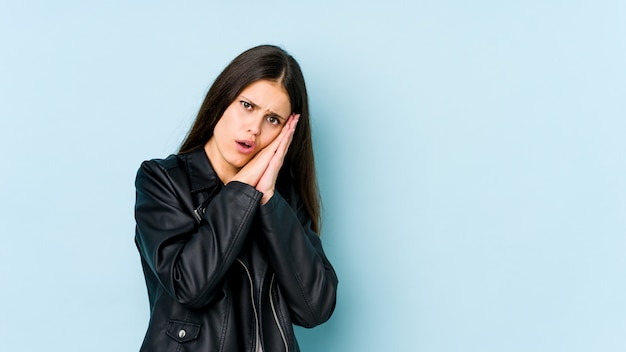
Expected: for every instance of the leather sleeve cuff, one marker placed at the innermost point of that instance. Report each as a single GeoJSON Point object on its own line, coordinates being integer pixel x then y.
{"type": "Point", "coordinates": [244, 188]}
{"type": "Point", "coordinates": [271, 204]}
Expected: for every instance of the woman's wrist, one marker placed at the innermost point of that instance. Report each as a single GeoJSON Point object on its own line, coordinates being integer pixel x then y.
{"type": "Point", "coordinates": [267, 196]}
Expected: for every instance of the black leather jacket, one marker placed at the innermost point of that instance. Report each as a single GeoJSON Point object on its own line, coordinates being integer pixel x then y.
{"type": "Point", "coordinates": [223, 272]}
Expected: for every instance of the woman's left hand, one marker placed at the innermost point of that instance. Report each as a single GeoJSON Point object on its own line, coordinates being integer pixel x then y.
{"type": "Point", "coordinates": [267, 183]}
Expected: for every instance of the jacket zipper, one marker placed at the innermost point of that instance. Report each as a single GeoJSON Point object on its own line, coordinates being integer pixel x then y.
{"type": "Point", "coordinates": [256, 317]}
{"type": "Point", "coordinates": [201, 209]}
{"type": "Point", "coordinates": [280, 329]}
{"type": "Point", "coordinates": [198, 214]}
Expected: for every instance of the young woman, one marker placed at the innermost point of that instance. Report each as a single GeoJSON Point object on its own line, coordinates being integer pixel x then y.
{"type": "Point", "coordinates": [227, 229]}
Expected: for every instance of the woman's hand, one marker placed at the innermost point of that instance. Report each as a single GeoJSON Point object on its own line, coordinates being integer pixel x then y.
{"type": "Point", "coordinates": [267, 183]}
{"type": "Point", "coordinates": [261, 172]}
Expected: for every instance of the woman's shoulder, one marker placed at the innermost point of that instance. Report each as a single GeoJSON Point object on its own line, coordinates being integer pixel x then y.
{"type": "Point", "coordinates": [171, 161]}
{"type": "Point", "coordinates": [161, 169]}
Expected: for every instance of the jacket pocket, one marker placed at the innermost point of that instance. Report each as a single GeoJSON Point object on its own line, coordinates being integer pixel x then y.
{"type": "Point", "coordinates": [183, 332]}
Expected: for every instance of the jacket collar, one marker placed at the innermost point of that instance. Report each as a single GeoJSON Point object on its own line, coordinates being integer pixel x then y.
{"type": "Point", "coordinates": [200, 171]}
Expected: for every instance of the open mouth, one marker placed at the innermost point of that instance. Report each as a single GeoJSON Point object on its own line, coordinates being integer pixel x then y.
{"type": "Point", "coordinates": [245, 146]}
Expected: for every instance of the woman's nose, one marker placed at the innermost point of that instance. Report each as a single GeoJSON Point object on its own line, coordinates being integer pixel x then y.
{"type": "Point", "coordinates": [254, 125]}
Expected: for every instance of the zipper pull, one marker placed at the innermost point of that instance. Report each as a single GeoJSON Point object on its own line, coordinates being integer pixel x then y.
{"type": "Point", "coordinates": [198, 212]}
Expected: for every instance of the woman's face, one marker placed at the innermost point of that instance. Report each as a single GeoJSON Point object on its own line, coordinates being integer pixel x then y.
{"type": "Point", "coordinates": [251, 122]}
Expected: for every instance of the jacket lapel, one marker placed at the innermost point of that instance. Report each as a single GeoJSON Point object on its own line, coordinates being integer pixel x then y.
{"type": "Point", "coordinates": [200, 171]}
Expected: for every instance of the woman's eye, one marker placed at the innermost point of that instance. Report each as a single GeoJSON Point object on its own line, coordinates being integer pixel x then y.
{"type": "Point", "coordinates": [273, 120]}
{"type": "Point", "coordinates": [246, 105]}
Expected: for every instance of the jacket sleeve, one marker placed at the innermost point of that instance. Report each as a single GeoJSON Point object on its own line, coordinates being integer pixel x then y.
{"type": "Point", "coordinates": [306, 277]}
{"type": "Point", "coordinates": [189, 258]}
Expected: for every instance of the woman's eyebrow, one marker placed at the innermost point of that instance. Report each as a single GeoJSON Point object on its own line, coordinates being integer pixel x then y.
{"type": "Point", "coordinates": [256, 106]}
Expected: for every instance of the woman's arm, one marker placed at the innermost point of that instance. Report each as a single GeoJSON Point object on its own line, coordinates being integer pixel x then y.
{"type": "Point", "coordinates": [306, 277]}
{"type": "Point", "coordinates": [188, 257]}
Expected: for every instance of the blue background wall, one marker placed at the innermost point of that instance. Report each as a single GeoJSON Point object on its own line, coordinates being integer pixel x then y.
{"type": "Point", "coordinates": [470, 154]}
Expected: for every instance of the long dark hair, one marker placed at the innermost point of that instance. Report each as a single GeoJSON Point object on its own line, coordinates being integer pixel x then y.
{"type": "Point", "coordinates": [265, 62]}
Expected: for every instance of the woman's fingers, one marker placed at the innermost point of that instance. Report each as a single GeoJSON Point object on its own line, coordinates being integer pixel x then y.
{"type": "Point", "coordinates": [287, 131]}
{"type": "Point", "coordinates": [267, 182]}
{"type": "Point", "coordinates": [286, 141]}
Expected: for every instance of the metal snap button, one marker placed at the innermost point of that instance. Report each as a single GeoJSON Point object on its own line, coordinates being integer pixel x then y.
{"type": "Point", "coordinates": [182, 333]}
